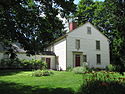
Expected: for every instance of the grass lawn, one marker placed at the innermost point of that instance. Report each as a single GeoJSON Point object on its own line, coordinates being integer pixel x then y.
{"type": "Point", "coordinates": [21, 82]}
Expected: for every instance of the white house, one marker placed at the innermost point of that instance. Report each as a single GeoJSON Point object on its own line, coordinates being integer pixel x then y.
{"type": "Point", "coordinates": [84, 45]}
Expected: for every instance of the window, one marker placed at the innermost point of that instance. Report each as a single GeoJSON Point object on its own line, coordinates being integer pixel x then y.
{"type": "Point", "coordinates": [88, 30]}
{"type": "Point", "coordinates": [98, 45]}
{"type": "Point", "coordinates": [77, 44]}
{"type": "Point", "coordinates": [98, 57]}
{"type": "Point", "coordinates": [84, 58]}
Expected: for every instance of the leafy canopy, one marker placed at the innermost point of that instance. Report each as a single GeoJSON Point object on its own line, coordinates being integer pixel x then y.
{"type": "Point", "coordinates": [33, 23]}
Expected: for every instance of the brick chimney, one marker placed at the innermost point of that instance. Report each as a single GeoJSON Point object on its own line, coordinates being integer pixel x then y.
{"type": "Point", "coordinates": [72, 25]}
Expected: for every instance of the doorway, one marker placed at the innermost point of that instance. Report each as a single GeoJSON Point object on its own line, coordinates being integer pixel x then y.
{"type": "Point", "coordinates": [48, 60]}
{"type": "Point", "coordinates": [77, 60]}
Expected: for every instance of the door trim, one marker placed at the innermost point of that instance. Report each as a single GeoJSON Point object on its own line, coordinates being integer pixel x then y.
{"type": "Point", "coordinates": [81, 58]}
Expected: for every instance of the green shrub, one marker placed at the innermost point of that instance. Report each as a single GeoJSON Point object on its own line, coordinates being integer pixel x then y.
{"type": "Point", "coordinates": [69, 69]}
{"type": "Point", "coordinates": [100, 87]}
{"type": "Point", "coordinates": [22, 64]}
{"type": "Point", "coordinates": [80, 70]}
{"type": "Point", "coordinates": [112, 67]}
{"type": "Point", "coordinates": [43, 65]}
{"type": "Point", "coordinates": [9, 63]}
{"type": "Point", "coordinates": [39, 73]}
{"type": "Point", "coordinates": [102, 83]}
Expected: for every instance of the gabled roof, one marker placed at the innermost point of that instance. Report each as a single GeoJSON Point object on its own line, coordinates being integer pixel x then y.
{"type": "Point", "coordinates": [92, 26]}
{"type": "Point", "coordinates": [64, 36]}
{"type": "Point", "coordinates": [98, 30]}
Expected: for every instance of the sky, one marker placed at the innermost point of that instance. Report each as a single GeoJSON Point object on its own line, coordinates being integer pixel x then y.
{"type": "Point", "coordinates": [76, 1]}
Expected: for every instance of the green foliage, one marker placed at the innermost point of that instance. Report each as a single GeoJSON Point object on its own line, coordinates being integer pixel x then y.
{"type": "Point", "coordinates": [33, 64]}
{"type": "Point", "coordinates": [86, 10]}
{"type": "Point", "coordinates": [10, 63]}
{"type": "Point", "coordinates": [112, 67]}
{"type": "Point", "coordinates": [39, 73]}
{"type": "Point", "coordinates": [69, 69]}
{"type": "Point", "coordinates": [100, 87]}
{"type": "Point", "coordinates": [91, 83]}
{"type": "Point", "coordinates": [22, 64]}
{"type": "Point", "coordinates": [102, 82]}
{"type": "Point", "coordinates": [33, 23]}
{"type": "Point", "coordinates": [80, 70]}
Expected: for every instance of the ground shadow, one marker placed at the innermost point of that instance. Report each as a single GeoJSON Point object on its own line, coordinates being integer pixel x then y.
{"type": "Point", "coordinates": [5, 72]}
{"type": "Point", "coordinates": [13, 88]}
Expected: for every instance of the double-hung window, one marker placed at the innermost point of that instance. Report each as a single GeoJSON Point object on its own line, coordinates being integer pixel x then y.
{"type": "Point", "coordinates": [98, 58]}
{"type": "Point", "coordinates": [97, 45]}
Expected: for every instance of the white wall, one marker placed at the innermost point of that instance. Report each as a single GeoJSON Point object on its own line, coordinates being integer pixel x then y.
{"type": "Point", "coordinates": [59, 49]}
{"type": "Point", "coordinates": [88, 46]}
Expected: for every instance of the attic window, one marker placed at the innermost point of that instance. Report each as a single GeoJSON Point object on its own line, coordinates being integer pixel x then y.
{"type": "Point", "coordinates": [88, 30]}
{"type": "Point", "coordinates": [77, 44]}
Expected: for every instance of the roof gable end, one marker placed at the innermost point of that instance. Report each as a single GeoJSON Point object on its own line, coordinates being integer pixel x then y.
{"type": "Point", "coordinates": [89, 24]}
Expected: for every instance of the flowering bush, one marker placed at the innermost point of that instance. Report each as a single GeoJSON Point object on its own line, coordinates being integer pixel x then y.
{"type": "Point", "coordinates": [102, 83]}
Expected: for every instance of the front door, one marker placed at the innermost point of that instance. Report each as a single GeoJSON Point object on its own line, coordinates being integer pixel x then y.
{"type": "Point", "coordinates": [48, 60]}
{"type": "Point", "coordinates": [77, 60]}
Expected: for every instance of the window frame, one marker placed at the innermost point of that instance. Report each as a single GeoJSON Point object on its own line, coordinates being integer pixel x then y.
{"type": "Point", "coordinates": [89, 30]}
{"type": "Point", "coordinates": [98, 45]}
{"type": "Point", "coordinates": [77, 44]}
{"type": "Point", "coordinates": [84, 58]}
{"type": "Point", "coordinates": [98, 59]}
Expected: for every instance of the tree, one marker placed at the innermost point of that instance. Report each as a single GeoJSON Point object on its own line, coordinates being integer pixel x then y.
{"type": "Point", "coordinates": [118, 11]}
{"type": "Point", "coordinates": [94, 12]}
{"type": "Point", "coordinates": [110, 19]}
{"type": "Point", "coordinates": [33, 23]}
{"type": "Point", "coordinates": [85, 11]}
